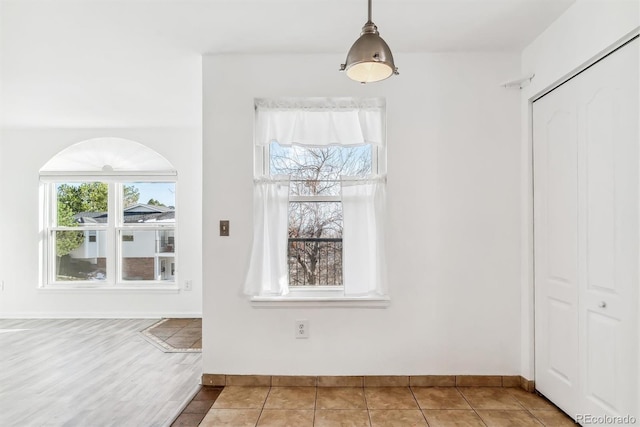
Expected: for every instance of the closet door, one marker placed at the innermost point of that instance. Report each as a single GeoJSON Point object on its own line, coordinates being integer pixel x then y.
{"type": "Point", "coordinates": [608, 228]}
{"type": "Point", "coordinates": [586, 223]}
{"type": "Point", "coordinates": [555, 136]}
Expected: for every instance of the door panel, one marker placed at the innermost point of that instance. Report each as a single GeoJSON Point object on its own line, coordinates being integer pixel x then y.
{"type": "Point", "coordinates": [600, 177]}
{"type": "Point", "coordinates": [556, 266]}
{"type": "Point", "coordinates": [601, 361]}
{"type": "Point", "coordinates": [560, 202]}
{"type": "Point", "coordinates": [561, 362]}
{"type": "Point", "coordinates": [608, 192]}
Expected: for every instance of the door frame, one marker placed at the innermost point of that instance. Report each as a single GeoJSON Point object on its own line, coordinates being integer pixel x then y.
{"type": "Point", "coordinates": [528, 258]}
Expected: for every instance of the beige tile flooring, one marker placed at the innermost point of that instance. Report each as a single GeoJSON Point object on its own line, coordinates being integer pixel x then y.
{"type": "Point", "coordinates": [176, 335]}
{"type": "Point", "coordinates": [239, 406]}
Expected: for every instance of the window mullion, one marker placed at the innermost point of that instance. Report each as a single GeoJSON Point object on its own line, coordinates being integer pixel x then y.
{"type": "Point", "coordinates": [375, 154]}
{"type": "Point", "coordinates": [303, 199]}
{"type": "Point", "coordinates": [114, 218]}
{"type": "Point", "coordinates": [50, 253]}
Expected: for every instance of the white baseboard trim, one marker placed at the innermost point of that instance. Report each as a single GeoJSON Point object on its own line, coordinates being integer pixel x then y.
{"type": "Point", "coordinates": [97, 315]}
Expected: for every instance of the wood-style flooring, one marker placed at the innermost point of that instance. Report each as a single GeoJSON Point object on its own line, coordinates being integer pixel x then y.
{"type": "Point", "coordinates": [90, 372]}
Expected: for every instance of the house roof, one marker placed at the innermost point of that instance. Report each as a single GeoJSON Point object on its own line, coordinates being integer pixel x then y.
{"type": "Point", "coordinates": [138, 213]}
{"type": "Point", "coordinates": [144, 208]}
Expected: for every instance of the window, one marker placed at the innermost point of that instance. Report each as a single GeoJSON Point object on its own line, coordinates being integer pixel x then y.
{"type": "Point", "coordinates": [106, 224]}
{"type": "Point", "coordinates": [315, 217]}
{"type": "Point", "coordinates": [94, 235]}
{"type": "Point", "coordinates": [318, 198]}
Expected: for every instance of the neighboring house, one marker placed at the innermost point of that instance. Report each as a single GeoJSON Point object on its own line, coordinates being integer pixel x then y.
{"type": "Point", "coordinates": [146, 254]}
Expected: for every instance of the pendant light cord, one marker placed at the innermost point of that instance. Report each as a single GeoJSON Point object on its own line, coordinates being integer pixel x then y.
{"type": "Point", "coordinates": [369, 11]}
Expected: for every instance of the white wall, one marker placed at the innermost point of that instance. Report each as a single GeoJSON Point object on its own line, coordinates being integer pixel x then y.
{"type": "Point", "coordinates": [586, 30]}
{"type": "Point", "coordinates": [72, 71]}
{"type": "Point", "coordinates": [24, 152]}
{"type": "Point", "coordinates": [454, 230]}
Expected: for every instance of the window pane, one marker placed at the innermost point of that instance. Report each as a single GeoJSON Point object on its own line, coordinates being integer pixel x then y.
{"type": "Point", "coordinates": [317, 171]}
{"type": "Point", "coordinates": [315, 262]}
{"type": "Point", "coordinates": [82, 203]}
{"type": "Point", "coordinates": [315, 227]}
{"type": "Point", "coordinates": [315, 243]}
{"type": "Point", "coordinates": [80, 255]}
{"type": "Point", "coordinates": [149, 202]}
{"type": "Point", "coordinates": [148, 254]}
{"type": "Point", "coordinates": [315, 219]}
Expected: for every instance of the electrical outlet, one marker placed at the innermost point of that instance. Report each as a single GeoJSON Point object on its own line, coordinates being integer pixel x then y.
{"type": "Point", "coordinates": [302, 329]}
{"type": "Point", "coordinates": [188, 285]}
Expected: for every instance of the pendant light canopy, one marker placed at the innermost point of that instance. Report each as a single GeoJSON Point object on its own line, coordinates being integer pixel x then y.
{"type": "Point", "coordinates": [369, 59]}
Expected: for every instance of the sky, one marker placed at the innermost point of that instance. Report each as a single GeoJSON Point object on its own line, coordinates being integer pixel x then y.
{"type": "Point", "coordinates": [164, 192]}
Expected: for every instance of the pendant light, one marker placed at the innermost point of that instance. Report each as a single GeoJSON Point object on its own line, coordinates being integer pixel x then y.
{"type": "Point", "coordinates": [369, 59]}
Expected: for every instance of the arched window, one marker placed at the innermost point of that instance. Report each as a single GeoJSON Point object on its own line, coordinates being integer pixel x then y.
{"type": "Point", "coordinates": [109, 216]}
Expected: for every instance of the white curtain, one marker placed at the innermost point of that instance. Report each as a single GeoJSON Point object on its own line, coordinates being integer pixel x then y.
{"type": "Point", "coordinates": [319, 121]}
{"type": "Point", "coordinates": [364, 210]}
{"type": "Point", "coordinates": [268, 272]}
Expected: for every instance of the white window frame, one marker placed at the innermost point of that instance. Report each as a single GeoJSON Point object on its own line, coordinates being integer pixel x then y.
{"type": "Point", "coordinates": [114, 230]}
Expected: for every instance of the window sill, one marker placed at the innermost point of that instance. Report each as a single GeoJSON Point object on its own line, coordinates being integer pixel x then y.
{"type": "Point", "coordinates": [297, 301]}
{"type": "Point", "coordinates": [152, 288]}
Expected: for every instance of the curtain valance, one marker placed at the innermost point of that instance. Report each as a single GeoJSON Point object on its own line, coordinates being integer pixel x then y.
{"type": "Point", "coordinates": [320, 121]}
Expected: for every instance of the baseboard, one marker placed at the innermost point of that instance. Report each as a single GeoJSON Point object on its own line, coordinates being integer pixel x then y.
{"type": "Point", "coordinates": [96, 315]}
{"type": "Point", "coordinates": [513, 381]}
{"type": "Point", "coordinates": [528, 385]}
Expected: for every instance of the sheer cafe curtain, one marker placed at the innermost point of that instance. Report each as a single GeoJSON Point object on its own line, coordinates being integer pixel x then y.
{"type": "Point", "coordinates": [364, 210]}
{"type": "Point", "coordinates": [317, 122]}
{"type": "Point", "coordinates": [268, 272]}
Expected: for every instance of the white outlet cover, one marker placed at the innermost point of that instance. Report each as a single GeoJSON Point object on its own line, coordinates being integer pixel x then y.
{"type": "Point", "coordinates": [302, 329]}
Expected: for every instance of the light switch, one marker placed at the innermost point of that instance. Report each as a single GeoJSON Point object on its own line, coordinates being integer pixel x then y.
{"type": "Point", "coordinates": [224, 227]}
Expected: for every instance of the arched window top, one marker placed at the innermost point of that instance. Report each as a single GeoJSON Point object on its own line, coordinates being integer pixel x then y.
{"type": "Point", "coordinates": [108, 156]}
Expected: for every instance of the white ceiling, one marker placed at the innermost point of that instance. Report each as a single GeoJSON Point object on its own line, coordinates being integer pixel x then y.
{"type": "Point", "coordinates": [289, 25]}
{"type": "Point", "coordinates": [57, 52]}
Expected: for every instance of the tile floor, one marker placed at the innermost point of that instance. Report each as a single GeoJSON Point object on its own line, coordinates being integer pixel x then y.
{"type": "Point", "coordinates": [181, 335]}
{"type": "Point", "coordinates": [194, 412]}
{"type": "Point", "coordinates": [380, 406]}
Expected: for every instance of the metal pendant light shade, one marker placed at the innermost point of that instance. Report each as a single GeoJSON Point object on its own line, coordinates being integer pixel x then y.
{"type": "Point", "coordinates": [369, 59]}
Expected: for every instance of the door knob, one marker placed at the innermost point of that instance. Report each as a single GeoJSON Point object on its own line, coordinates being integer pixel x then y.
{"type": "Point", "coordinates": [602, 304]}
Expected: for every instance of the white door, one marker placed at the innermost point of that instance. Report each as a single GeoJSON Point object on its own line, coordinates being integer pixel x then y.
{"type": "Point", "coordinates": [586, 221]}
{"type": "Point", "coordinates": [555, 140]}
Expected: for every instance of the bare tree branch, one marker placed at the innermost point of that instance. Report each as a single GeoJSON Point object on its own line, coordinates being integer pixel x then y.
{"type": "Point", "coordinates": [317, 172]}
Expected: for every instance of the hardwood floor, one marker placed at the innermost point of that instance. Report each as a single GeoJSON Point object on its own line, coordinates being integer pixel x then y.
{"type": "Point", "coordinates": [90, 372]}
